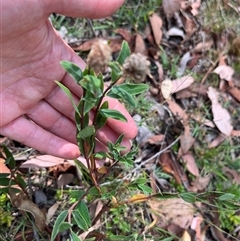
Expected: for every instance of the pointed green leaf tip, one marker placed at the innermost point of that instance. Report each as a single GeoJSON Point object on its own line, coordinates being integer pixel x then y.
{"type": "Point", "coordinates": [114, 114]}
{"type": "Point", "coordinates": [73, 70]}
{"type": "Point", "coordinates": [124, 53]}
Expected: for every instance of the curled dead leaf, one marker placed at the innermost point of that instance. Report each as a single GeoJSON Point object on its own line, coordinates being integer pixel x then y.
{"type": "Point", "coordinates": [225, 72]}
{"type": "Point", "coordinates": [156, 24]}
{"type": "Point", "coordinates": [42, 161]}
{"type": "Point", "coordinates": [21, 202]}
{"type": "Point", "coordinates": [178, 111]}
{"type": "Point", "coordinates": [182, 83]}
{"type": "Point", "coordinates": [191, 165]}
{"type": "Point", "coordinates": [173, 210]}
{"type": "Point", "coordinates": [217, 141]}
{"type": "Point", "coordinates": [221, 116]}
{"type": "Point", "coordinates": [186, 141]}
{"type": "Point", "coordinates": [203, 46]}
{"type": "Point", "coordinates": [166, 88]}
{"type": "Point", "coordinates": [235, 92]}
{"type": "Point", "coordinates": [170, 7]}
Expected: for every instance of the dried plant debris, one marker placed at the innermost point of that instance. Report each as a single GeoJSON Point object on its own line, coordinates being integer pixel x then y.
{"type": "Point", "coordinates": [136, 66]}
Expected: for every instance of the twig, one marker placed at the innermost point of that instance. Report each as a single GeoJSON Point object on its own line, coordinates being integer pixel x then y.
{"type": "Point", "coordinates": [154, 156]}
{"type": "Point", "coordinates": [213, 66]}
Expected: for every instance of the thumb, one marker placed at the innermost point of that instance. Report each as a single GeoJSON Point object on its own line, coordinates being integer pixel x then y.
{"type": "Point", "coordinates": [84, 8]}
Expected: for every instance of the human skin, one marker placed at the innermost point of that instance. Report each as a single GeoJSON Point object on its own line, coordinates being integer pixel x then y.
{"type": "Point", "coordinates": [33, 109]}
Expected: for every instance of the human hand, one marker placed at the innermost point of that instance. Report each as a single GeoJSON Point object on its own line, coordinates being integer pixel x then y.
{"type": "Point", "coordinates": [34, 110]}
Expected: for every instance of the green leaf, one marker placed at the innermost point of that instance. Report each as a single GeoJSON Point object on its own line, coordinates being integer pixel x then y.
{"type": "Point", "coordinates": [124, 53]}
{"type": "Point", "coordinates": [119, 140]}
{"type": "Point", "coordinates": [6, 181]}
{"type": "Point", "coordinates": [101, 155]}
{"type": "Point", "coordinates": [64, 226]}
{"type": "Point", "coordinates": [146, 189]}
{"type": "Point", "coordinates": [165, 195]}
{"type": "Point", "coordinates": [73, 70]}
{"type": "Point", "coordinates": [83, 170]}
{"type": "Point", "coordinates": [10, 159]}
{"type": "Point", "coordinates": [114, 114]}
{"type": "Point", "coordinates": [226, 197]}
{"type": "Point", "coordinates": [20, 181]}
{"type": "Point", "coordinates": [6, 189]}
{"type": "Point", "coordinates": [83, 210]}
{"type": "Point", "coordinates": [89, 103]}
{"type": "Point", "coordinates": [116, 71]}
{"type": "Point", "coordinates": [93, 85]}
{"type": "Point", "coordinates": [3, 175]}
{"type": "Point", "coordinates": [74, 237]}
{"type": "Point", "coordinates": [188, 197]}
{"type": "Point", "coordinates": [86, 132]}
{"type": "Point", "coordinates": [116, 92]}
{"type": "Point", "coordinates": [68, 93]}
{"type": "Point", "coordinates": [80, 220]}
{"type": "Point", "coordinates": [100, 119]}
{"type": "Point", "coordinates": [133, 89]}
{"type": "Point", "coordinates": [93, 191]}
{"type": "Point", "coordinates": [76, 194]}
{"type": "Point", "coordinates": [61, 217]}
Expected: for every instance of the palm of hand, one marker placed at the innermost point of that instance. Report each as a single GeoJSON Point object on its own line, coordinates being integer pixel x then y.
{"type": "Point", "coordinates": [34, 110]}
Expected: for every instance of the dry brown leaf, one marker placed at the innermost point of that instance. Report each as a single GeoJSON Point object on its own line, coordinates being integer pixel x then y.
{"type": "Point", "coordinates": [22, 202]}
{"type": "Point", "coordinates": [125, 34]}
{"type": "Point", "coordinates": [165, 161]}
{"type": "Point", "coordinates": [189, 26]}
{"type": "Point", "coordinates": [199, 118]}
{"type": "Point", "coordinates": [203, 46]}
{"type": "Point", "coordinates": [217, 141]}
{"type": "Point", "coordinates": [191, 165]}
{"type": "Point", "coordinates": [166, 88]}
{"type": "Point", "coordinates": [235, 92]}
{"type": "Point", "coordinates": [182, 83]}
{"type": "Point", "coordinates": [175, 229]}
{"type": "Point", "coordinates": [86, 46]}
{"type": "Point", "coordinates": [186, 141]}
{"type": "Point", "coordinates": [221, 116]}
{"type": "Point", "coordinates": [174, 210]}
{"type": "Point", "coordinates": [185, 94]}
{"type": "Point", "coordinates": [160, 71]}
{"type": "Point", "coordinates": [140, 45]}
{"type": "Point", "coordinates": [170, 7]}
{"type": "Point", "coordinates": [225, 72]}
{"type": "Point", "coordinates": [115, 44]}
{"type": "Point", "coordinates": [232, 174]}
{"type": "Point", "coordinates": [178, 111]}
{"type": "Point", "coordinates": [42, 161]}
{"type": "Point", "coordinates": [200, 183]}
{"type": "Point", "coordinates": [156, 24]}
{"type": "Point", "coordinates": [196, 226]}
{"type": "Point", "coordinates": [64, 179]}
{"type": "Point", "coordinates": [51, 211]}
{"type": "Point", "coordinates": [155, 139]}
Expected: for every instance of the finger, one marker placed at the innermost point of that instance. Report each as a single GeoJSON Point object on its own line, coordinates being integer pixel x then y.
{"type": "Point", "coordinates": [52, 120]}
{"type": "Point", "coordinates": [83, 8]}
{"type": "Point", "coordinates": [32, 135]}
